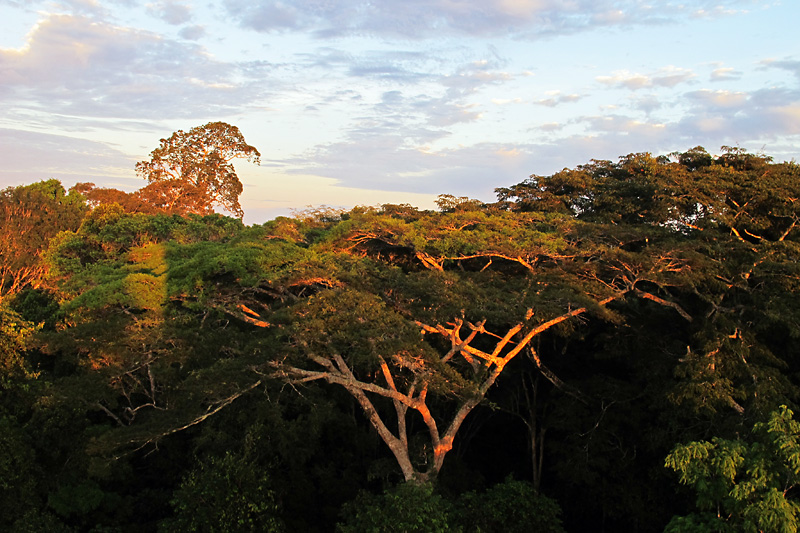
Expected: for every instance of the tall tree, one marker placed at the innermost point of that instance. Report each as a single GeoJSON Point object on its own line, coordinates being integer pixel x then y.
{"type": "Point", "coordinates": [428, 343]}
{"type": "Point", "coordinates": [191, 172]}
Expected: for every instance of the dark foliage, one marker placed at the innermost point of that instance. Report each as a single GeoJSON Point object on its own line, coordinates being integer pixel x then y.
{"type": "Point", "coordinates": [394, 369]}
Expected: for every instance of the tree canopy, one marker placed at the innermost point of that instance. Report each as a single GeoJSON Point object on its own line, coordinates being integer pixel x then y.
{"type": "Point", "coordinates": [533, 361]}
{"type": "Point", "coordinates": [30, 215]}
{"type": "Point", "coordinates": [192, 171]}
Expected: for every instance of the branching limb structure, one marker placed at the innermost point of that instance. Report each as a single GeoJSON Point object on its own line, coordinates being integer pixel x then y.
{"type": "Point", "coordinates": [483, 369]}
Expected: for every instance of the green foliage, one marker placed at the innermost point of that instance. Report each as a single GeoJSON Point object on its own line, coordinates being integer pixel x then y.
{"type": "Point", "coordinates": [17, 467]}
{"type": "Point", "coordinates": [37, 306]}
{"type": "Point", "coordinates": [161, 332]}
{"type": "Point", "coordinates": [697, 191]}
{"type": "Point", "coordinates": [511, 507]}
{"type": "Point", "coordinates": [746, 483]}
{"type": "Point", "coordinates": [108, 234]}
{"type": "Point", "coordinates": [15, 335]}
{"type": "Point", "coordinates": [357, 325]}
{"type": "Point", "coordinates": [37, 521]}
{"type": "Point", "coordinates": [225, 494]}
{"type": "Point", "coordinates": [447, 203]}
{"type": "Point", "coordinates": [406, 508]}
{"type": "Point", "coordinates": [80, 499]}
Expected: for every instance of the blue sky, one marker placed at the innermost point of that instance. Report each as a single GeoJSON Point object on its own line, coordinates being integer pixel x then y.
{"type": "Point", "coordinates": [357, 102]}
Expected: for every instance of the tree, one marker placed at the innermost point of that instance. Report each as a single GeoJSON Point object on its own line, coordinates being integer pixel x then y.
{"type": "Point", "coordinates": [15, 334]}
{"type": "Point", "coordinates": [132, 202]}
{"type": "Point", "coordinates": [734, 219]}
{"type": "Point", "coordinates": [406, 508]}
{"type": "Point", "coordinates": [191, 172]}
{"type": "Point", "coordinates": [512, 507]}
{"type": "Point", "coordinates": [743, 485]}
{"type": "Point", "coordinates": [227, 495]}
{"type": "Point", "coordinates": [30, 215]}
{"type": "Point", "coordinates": [737, 216]}
{"type": "Point", "coordinates": [428, 343]}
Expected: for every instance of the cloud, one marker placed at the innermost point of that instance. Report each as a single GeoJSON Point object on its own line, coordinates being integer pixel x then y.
{"type": "Point", "coordinates": [469, 77]}
{"type": "Point", "coordinates": [790, 65]}
{"type": "Point", "coordinates": [669, 77]}
{"type": "Point", "coordinates": [32, 156]}
{"type": "Point", "coordinates": [77, 66]}
{"type": "Point", "coordinates": [551, 126]}
{"type": "Point", "coordinates": [716, 11]}
{"type": "Point", "coordinates": [478, 169]}
{"type": "Point", "coordinates": [445, 114]}
{"type": "Point", "coordinates": [628, 80]}
{"type": "Point", "coordinates": [387, 162]}
{"type": "Point", "coordinates": [555, 98]}
{"type": "Point", "coordinates": [648, 103]}
{"type": "Point", "coordinates": [718, 99]}
{"type": "Point", "coordinates": [769, 114]}
{"type": "Point", "coordinates": [725, 74]}
{"type": "Point", "coordinates": [426, 18]}
{"type": "Point", "coordinates": [192, 33]}
{"type": "Point", "coordinates": [784, 118]}
{"type": "Point", "coordinates": [82, 7]}
{"type": "Point", "coordinates": [171, 11]}
{"type": "Point", "coordinates": [623, 125]}
{"type": "Point", "coordinates": [506, 101]}
{"type": "Point", "coordinates": [397, 66]}
{"type": "Point", "coordinates": [428, 93]}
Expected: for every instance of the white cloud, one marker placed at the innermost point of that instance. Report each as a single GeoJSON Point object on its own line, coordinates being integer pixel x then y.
{"type": "Point", "coordinates": [468, 78]}
{"type": "Point", "coordinates": [624, 125]}
{"type": "Point", "coordinates": [624, 78]}
{"type": "Point", "coordinates": [610, 17]}
{"type": "Point", "coordinates": [78, 66]}
{"type": "Point", "coordinates": [736, 117]}
{"type": "Point", "coordinates": [669, 77]}
{"type": "Point", "coordinates": [506, 101]}
{"type": "Point", "coordinates": [555, 98]}
{"type": "Point", "coordinates": [551, 126]}
{"type": "Point", "coordinates": [725, 74]}
{"type": "Point", "coordinates": [425, 18]}
{"type": "Point", "coordinates": [716, 11]}
{"type": "Point", "coordinates": [784, 119]}
{"type": "Point", "coordinates": [718, 99]}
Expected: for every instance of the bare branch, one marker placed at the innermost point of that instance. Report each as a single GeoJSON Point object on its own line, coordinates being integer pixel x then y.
{"type": "Point", "coordinates": [552, 378]}
{"type": "Point", "coordinates": [661, 301]}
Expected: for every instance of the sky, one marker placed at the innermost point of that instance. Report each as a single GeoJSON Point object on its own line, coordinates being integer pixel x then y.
{"type": "Point", "coordinates": [358, 102]}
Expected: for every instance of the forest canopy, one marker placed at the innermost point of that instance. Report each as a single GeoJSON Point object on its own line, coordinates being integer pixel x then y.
{"type": "Point", "coordinates": [582, 354]}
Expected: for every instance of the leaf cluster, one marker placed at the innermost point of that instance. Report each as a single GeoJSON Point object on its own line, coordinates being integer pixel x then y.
{"type": "Point", "coordinates": [746, 483]}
